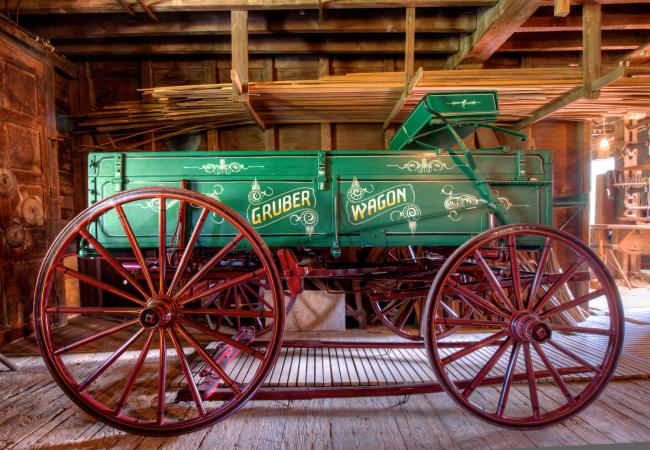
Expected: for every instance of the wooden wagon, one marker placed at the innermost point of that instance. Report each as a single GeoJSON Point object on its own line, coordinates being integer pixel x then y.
{"type": "Point", "coordinates": [203, 253]}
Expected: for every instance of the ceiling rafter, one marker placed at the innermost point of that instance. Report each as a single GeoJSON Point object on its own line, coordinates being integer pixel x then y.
{"type": "Point", "coordinates": [493, 28]}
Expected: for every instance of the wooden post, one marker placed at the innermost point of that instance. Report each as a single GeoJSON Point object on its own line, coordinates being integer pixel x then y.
{"type": "Point", "coordinates": [561, 8]}
{"type": "Point", "coordinates": [270, 133]}
{"type": "Point", "coordinates": [591, 47]}
{"type": "Point", "coordinates": [239, 44]}
{"type": "Point", "coordinates": [325, 127]}
{"type": "Point", "coordinates": [409, 52]}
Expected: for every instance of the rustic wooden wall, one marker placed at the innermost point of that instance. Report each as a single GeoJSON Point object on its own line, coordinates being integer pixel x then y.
{"type": "Point", "coordinates": [29, 209]}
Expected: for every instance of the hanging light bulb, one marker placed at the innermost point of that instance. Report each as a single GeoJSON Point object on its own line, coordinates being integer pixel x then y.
{"type": "Point", "coordinates": [604, 144]}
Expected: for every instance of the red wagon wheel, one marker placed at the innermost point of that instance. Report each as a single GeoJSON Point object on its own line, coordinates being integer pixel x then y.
{"type": "Point", "coordinates": [552, 314]}
{"type": "Point", "coordinates": [150, 324]}
{"type": "Point", "coordinates": [404, 315]}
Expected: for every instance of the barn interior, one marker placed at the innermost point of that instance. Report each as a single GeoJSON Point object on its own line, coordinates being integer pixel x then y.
{"type": "Point", "coordinates": [86, 80]}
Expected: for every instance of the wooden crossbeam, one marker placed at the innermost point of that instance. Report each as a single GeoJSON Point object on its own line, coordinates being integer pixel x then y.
{"type": "Point", "coordinates": [111, 6]}
{"type": "Point", "coordinates": [574, 95]}
{"type": "Point", "coordinates": [640, 53]}
{"type": "Point", "coordinates": [407, 91]}
{"type": "Point", "coordinates": [262, 44]}
{"type": "Point", "coordinates": [493, 27]}
{"type": "Point", "coordinates": [259, 22]}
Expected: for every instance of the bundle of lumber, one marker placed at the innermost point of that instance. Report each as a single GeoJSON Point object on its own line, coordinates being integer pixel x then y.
{"type": "Point", "coordinates": [629, 95]}
{"type": "Point", "coordinates": [170, 108]}
{"type": "Point", "coordinates": [367, 98]}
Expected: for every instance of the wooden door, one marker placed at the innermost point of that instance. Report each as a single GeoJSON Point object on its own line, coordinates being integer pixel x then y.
{"type": "Point", "coordinates": [27, 195]}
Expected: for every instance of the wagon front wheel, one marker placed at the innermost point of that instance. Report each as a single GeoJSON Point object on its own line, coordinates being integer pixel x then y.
{"type": "Point", "coordinates": [143, 357]}
{"type": "Point", "coordinates": [545, 313]}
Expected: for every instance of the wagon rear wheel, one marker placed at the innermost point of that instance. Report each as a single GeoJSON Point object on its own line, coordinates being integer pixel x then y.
{"type": "Point", "coordinates": [546, 312]}
{"type": "Point", "coordinates": [145, 360]}
{"type": "Point", "coordinates": [401, 308]}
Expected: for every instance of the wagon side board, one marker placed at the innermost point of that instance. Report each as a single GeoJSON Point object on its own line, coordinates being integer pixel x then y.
{"type": "Point", "coordinates": [328, 199]}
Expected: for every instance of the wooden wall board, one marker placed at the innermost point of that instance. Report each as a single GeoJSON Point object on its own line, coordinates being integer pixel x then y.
{"type": "Point", "coordinates": [27, 122]}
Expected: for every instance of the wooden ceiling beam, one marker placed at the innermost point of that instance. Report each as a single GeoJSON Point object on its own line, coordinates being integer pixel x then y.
{"type": "Point", "coordinates": [613, 19]}
{"type": "Point", "coordinates": [493, 28]}
{"type": "Point", "coordinates": [572, 41]}
{"type": "Point", "coordinates": [259, 45]}
{"type": "Point", "coordinates": [111, 6]}
{"type": "Point", "coordinates": [218, 23]}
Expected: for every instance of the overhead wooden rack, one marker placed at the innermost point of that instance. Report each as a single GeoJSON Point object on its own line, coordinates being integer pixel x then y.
{"type": "Point", "coordinates": [376, 97]}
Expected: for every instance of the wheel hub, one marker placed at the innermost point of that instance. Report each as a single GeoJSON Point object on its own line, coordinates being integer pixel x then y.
{"type": "Point", "coordinates": [526, 327]}
{"type": "Point", "coordinates": [159, 312]}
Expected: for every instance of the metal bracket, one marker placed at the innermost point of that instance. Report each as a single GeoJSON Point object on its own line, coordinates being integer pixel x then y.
{"type": "Point", "coordinates": [520, 166]}
{"type": "Point", "coordinates": [322, 171]}
{"type": "Point", "coordinates": [118, 180]}
{"type": "Point", "coordinates": [92, 190]}
{"type": "Point", "coordinates": [336, 249]}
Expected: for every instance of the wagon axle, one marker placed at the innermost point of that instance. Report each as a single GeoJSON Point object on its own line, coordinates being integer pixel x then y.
{"type": "Point", "coordinates": [159, 312]}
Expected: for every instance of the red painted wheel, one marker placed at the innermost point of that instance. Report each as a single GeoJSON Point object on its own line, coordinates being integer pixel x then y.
{"type": "Point", "coordinates": [151, 323]}
{"type": "Point", "coordinates": [403, 315]}
{"type": "Point", "coordinates": [551, 314]}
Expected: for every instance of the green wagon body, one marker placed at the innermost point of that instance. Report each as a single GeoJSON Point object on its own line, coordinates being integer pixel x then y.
{"type": "Point", "coordinates": [330, 199]}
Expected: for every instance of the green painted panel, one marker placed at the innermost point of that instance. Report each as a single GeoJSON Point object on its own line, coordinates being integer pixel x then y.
{"type": "Point", "coordinates": [316, 198]}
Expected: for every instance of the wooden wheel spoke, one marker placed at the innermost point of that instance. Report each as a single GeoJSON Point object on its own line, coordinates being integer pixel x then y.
{"type": "Point", "coordinates": [566, 276]}
{"type": "Point", "coordinates": [187, 253]}
{"type": "Point", "coordinates": [188, 373]}
{"type": "Point", "coordinates": [225, 285]}
{"type": "Point", "coordinates": [223, 338]}
{"type": "Point", "coordinates": [494, 283]}
{"type": "Point", "coordinates": [532, 383]}
{"type": "Point", "coordinates": [110, 259]}
{"type": "Point", "coordinates": [539, 272]}
{"type": "Point", "coordinates": [554, 373]}
{"type": "Point", "coordinates": [448, 308]}
{"type": "Point", "coordinates": [510, 371]}
{"type": "Point", "coordinates": [162, 245]}
{"type": "Point", "coordinates": [573, 303]}
{"type": "Point", "coordinates": [229, 312]}
{"type": "Point", "coordinates": [250, 306]}
{"type": "Point", "coordinates": [90, 310]}
{"type": "Point", "coordinates": [475, 301]}
{"type": "Point", "coordinates": [98, 284]}
{"type": "Point", "coordinates": [404, 314]}
{"type": "Point", "coordinates": [216, 259]}
{"type": "Point", "coordinates": [578, 329]}
{"type": "Point", "coordinates": [204, 355]}
{"type": "Point", "coordinates": [485, 370]}
{"type": "Point", "coordinates": [95, 337]}
{"type": "Point", "coordinates": [162, 378]}
{"type": "Point", "coordinates": [259, 297]}
{"type": "Point", "coordinates": [574, 356]}
{"type": "Point", "coordinates": [514, 271]}
{"type": "Point", "coordinates": [470, 322]}
{"type": "Point", "coordinates": [134, 374]}
{"type": "Point", "coordinates": [473, 347]}
{"type": "Point", "coordinates": [137, 251]}
{"type": "Point", "coordinates": [108, 362]}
